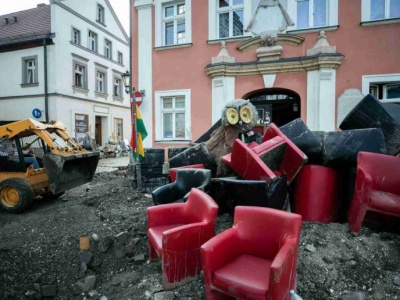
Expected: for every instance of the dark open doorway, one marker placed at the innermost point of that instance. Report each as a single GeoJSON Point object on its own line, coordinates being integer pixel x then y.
{"type": "Point", "coordinates": [276, 105]}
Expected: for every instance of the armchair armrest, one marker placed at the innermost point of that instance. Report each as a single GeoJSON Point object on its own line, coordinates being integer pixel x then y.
{"type": "Point", "coordinates": [363, 185]}
{"type": "Point", "coordinates": [187, 237]}
{"type": "Point", "coordinates": [283, 270]}
{"type": "Point", "coordinates": [219, 250]}
{"type": "Point", "coordinates": [167, 214]}
{"type": "Point", "coordinates": [166, 194]}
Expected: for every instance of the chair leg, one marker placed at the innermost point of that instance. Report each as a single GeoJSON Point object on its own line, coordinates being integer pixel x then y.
{"type": "Point", "coordinates": [356, 215]}
{"type": "Point", "coordinates": [152, 253]}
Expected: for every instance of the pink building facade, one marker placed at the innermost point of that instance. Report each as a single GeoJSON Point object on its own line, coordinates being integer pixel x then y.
{"type": "Point", "coordinates": [193, 56]}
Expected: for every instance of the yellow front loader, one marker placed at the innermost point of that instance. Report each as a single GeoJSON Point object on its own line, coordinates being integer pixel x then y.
{"type": "Point", "coordinates": [39, 159]}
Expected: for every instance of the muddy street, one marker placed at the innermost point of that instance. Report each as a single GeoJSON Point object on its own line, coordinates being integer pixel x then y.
{"type": "Point", "coordinates": [40, 251]}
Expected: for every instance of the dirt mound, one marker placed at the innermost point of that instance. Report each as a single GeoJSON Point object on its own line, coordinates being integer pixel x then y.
{"type": "Point", "coordinates": [40, 255]}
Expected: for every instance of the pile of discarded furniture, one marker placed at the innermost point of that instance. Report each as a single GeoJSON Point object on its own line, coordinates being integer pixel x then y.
{"type": "Point", "coordinates": [291, 174]}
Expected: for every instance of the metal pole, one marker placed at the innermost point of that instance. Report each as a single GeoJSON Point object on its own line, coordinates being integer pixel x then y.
{"type": "Point", "coordinates": [46, 92]}
{"type": "Point", "coordinates": [132, 90]}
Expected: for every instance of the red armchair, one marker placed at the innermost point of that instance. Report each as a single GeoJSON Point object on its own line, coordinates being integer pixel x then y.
{"type": "Point", "coordinates": [247, 164]}
{"type": "Point", "coordinates": [176, 231]}
{"type": "Point", "coordinates": [377, 188]}
{"type": "Point", "coordinates": [256, 258]}
{"type": "Point", "coordinates": [275, 156]}
{"type": "Point", "coordinates": [294, 158]}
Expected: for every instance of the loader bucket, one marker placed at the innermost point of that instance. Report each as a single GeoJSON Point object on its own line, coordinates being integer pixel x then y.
{"type": "Point", "coordinates": [67, 172]}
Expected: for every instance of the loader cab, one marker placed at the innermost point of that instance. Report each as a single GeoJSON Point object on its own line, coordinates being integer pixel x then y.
{"type": "Point", "coordinates": [14, 157]}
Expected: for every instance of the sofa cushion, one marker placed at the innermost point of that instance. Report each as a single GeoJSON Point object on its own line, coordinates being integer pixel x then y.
{"type": "Point", "coordinates": [246, 275]}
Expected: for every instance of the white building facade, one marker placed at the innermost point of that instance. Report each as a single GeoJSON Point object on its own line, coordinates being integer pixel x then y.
{"type": "Point", "coordinates": [85, 51]}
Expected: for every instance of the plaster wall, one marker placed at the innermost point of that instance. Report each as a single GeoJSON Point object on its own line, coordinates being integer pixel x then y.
{"type": "Point", "coordinates": [366, 49]}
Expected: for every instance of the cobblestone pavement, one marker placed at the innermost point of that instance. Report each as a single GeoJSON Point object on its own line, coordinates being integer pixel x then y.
{"type": "Point", "coordinates": [112, 163]}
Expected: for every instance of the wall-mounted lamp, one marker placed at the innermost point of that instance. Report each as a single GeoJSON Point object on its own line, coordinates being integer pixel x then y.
{"type": "Point", "coordinates": [143, 92]}
{"type": "Point", "coordinates": [127, 83]}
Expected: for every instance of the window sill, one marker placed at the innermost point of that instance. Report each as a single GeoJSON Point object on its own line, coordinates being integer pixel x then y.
{"type": "Point", "coordinates": [119, 99]}
{"type": "Point", "coordinates": [78, 89]}
{"type": "Point", "coordinates": [27, 85]}
{"type": "Point", "coordinates": [101, 23]}
{"type": "Point", "coordinates": [101, 94]}
{"type": "Point", "coordinates": [380, 22]}
{"type": "Point", "coordinates": [173, 142]}
{"type": "Point", "coordinates": [314, 29]}
{"type": "Point", "coordinates": [173, 46]}
{"type": "Point", "coordinates": [230, 39]}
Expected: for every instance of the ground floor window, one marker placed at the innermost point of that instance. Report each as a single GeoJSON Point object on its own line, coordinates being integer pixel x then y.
{"type": "Point", "coordinates": [173, 115]}
{"type": "Point", "coordinates": [81, 126]}
{"type": "Point", "coordinates": [385, 87]}
{"type": "Point", "coordinates": [118, 128]}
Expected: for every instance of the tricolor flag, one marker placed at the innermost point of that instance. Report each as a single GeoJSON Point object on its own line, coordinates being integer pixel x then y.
{"type": "Point", "coordinates": [142, 133]}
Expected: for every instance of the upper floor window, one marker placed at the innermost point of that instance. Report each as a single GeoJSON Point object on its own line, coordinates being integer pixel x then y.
{"type": "Point", "coordinates": [384, 9]}
{"type": "Point", "coordinates": [76, 36]}
{"type": "Point", "coordinates": [117, 87]}
{"type": "Point", "coordinates": [174, 24]}
{"type": "Point", "coordinates": [120, 58]}
{"type": "Point", "coordinates": [92, 41]}
{"type": "Point", "coordinates": [230, 18]}
{"type": "Point", "coordinates": [379, 10]}
{"type": "Point", "coordinates": [312, 13]}
{"type": "Point", "coordinates": [79, 76]}
{"type": "Point", "coordinates": [100, 13]}
{"type": "Point", "coordinates": [29, 70]}
{"type": "Point", "coordinates": [100, 82]}
{"type": "Point", "coordinates": [108, 49]}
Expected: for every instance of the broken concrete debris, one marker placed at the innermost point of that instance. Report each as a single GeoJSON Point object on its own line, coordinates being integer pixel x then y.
{"type": "Point", "coordinates": [87, 284]}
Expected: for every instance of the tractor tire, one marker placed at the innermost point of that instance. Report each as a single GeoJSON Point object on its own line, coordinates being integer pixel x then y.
{"type": "Point", "coordinates": [15, 195]}
{"type": "Point", "coordinates": [51, 196]}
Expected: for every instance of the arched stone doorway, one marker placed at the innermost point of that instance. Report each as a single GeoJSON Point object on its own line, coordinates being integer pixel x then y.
{"type": "Point", "coordinates": [276, 105]}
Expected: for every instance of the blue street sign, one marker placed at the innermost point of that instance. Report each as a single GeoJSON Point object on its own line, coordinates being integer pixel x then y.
{"type": "Point", "coordinates": [37, 113]}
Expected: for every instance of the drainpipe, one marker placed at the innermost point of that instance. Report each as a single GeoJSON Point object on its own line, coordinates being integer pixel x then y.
{"type": "Point", "coordinates": [46, 92]}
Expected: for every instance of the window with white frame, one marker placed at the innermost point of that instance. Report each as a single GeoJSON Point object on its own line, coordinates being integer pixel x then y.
{"type": "Point", "coordinates": [384, 9]}
{"type": "Point", "coordinates": [100, 13]}
{"type": "Point", "coordinates": [312, 13]}
{"type": "Point", "coordinates": [118, 127]}
{"type": "Point", "coordinates": [173, 117]}
{"type": "Point", "coordinates": [30, 71]}
{"type": "Point", "coordinates": [79, 75]}
{"type": "Point", "coordinates": [100, 82]}
{"type": "Point", "coordinates": [230, 22]}
{"type": "Point", "coordinates": [384, 87]}
{"type": "Point", "coordinates": [174, 23]}
{"type": "Point", "coordinates": [108, 49]}
{"type": "Point", "coordinates": [117, 87]}
{"type": "Point", "coordinates": [172, 109]}
{"type": "Point", "coordinates": [92, 41]}
{"type": "Point", "coordinates": [120, 58]}
{"type": "Point", "coordinates": [76, 36]}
